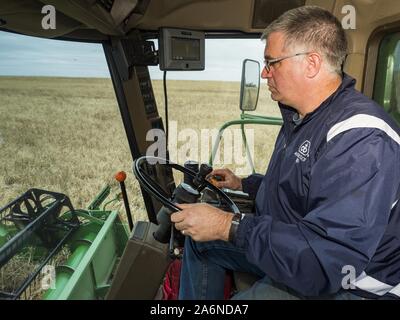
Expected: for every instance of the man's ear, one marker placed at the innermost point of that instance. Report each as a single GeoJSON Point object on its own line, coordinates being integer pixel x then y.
{"type": "Point", "coordinates": [314, 64]}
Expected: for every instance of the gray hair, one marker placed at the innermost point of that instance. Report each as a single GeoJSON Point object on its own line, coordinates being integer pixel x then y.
{"type": "Point", "coordinates": [314, 28]}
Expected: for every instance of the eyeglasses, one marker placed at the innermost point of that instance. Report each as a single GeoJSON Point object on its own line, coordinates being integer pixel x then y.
{"type": "Point", "coordinates": [269, 63]}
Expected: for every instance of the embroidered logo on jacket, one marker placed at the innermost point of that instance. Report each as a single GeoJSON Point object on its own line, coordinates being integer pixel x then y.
{"type": "Point", "coordinates": [303, 152]}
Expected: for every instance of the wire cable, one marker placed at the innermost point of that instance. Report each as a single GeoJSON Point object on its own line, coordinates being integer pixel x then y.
{"type": "Point", "coordinates": [166, 113]}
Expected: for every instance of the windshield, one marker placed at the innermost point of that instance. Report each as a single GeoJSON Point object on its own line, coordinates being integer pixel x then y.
{"type": "Point", "coordinates": [211, 97]}
{"type": "Point", "coordinates": [61, 129]}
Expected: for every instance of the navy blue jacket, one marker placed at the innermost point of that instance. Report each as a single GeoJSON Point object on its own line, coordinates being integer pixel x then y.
{"type": "Point", "coordinates": [327, 207]}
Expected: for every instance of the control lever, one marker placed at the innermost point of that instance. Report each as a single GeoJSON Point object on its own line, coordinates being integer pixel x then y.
{"type": "Point", "coordinates": [200, 180]}
{"type": "Point", "coordinates": [184, 193]}
{"type": "Point", "coordinates": [120, 177]}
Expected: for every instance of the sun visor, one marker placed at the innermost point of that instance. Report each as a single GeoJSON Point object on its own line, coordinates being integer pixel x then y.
{"type": "Point", "coordinates": [266, 11]}
{"type": "Point", "coordinates": [74, 18]}
{"type": "Point", "coordinates": [25, 17]}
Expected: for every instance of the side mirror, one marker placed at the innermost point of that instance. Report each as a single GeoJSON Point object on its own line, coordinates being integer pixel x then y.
{"type": "Point", "coordinates": [250, 85]}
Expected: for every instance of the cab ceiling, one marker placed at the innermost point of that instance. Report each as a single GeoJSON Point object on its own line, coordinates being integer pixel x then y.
{"type": "Point", "coordinates": [99, 19]}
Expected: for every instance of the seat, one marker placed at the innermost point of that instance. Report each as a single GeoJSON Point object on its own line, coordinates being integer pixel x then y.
{"type": "Point", "coordinates": [244, 280]}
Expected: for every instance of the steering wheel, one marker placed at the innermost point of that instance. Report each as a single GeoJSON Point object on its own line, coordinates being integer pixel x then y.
{"type": "Point", "coordinates": [157, 192]}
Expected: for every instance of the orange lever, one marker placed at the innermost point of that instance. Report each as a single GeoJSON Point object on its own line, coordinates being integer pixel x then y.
{"type": "Point", "coordinates": [120, 176]}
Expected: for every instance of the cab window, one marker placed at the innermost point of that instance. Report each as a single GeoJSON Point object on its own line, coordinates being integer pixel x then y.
{"type": "Point", "coordinates": [60, 125]}
{"type": "Point", "coordinates": [387, 81]}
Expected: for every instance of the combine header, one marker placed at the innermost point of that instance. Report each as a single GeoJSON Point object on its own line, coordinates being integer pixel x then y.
{"type": "Point", "coordinates": [67, 253]}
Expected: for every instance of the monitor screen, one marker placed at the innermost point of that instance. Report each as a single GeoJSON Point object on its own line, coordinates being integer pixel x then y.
{"type": "Point", "coordinates": [181, 49]}
{"type": "Point", "coordinates": [185, 49]}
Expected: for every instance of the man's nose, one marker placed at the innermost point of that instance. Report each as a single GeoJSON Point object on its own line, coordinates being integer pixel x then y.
{"type": "Point", "coordinates": [265, 74]}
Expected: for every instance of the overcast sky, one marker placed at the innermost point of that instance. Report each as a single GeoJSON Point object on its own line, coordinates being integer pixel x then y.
{"type": "Point", "coordinates": [29, 56]}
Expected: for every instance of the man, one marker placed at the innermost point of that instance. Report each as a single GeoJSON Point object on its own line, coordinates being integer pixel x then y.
{"type": "Point", "coordinates": [327, 218]}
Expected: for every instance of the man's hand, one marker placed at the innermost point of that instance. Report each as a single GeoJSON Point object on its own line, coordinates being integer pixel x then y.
{"type": "Point", "coordinates": [202, 222]}
{"type": "Point", "coordinates": [229, 179]}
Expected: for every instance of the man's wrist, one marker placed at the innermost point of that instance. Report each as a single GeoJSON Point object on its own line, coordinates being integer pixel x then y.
{"type": "Point", "coordinates": [240, 185]}
{"type": "Point", "coordinates": [236, 219]}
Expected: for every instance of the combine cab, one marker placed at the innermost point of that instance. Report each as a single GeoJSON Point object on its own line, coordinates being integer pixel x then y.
{"type": "Point", "coordinates": [94, 254]}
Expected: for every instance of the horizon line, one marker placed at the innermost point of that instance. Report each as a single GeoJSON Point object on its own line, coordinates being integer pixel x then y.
{"type": "Point", "coordinates": [90, 77]}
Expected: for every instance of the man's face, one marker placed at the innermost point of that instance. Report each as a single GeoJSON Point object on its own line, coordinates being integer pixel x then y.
{"type": "Point", "coordinates": [285, 77]}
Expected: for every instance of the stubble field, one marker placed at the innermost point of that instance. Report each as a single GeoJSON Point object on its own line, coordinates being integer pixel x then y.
{"type": "Point", "coordinates": [66, 134]}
